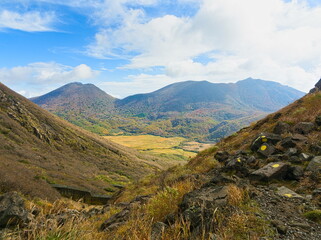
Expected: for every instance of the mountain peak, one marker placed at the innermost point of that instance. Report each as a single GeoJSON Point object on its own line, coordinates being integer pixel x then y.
{"type": "Point", "coordinates": [87, 98]}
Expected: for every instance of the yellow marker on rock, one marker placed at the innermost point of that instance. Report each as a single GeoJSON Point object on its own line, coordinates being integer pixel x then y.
{"type": "Point", "coordinates": [263, 147]}
{"type": "Point", "coordinates": [264, 139]}
{"type": "Point", "coordinates": [239, 160]}
{"type": "Point", "coordinates": [289, 195]}
{"type": "Point", "coordinates": [276, 165]}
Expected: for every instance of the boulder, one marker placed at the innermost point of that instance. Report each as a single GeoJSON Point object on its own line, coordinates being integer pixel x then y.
{"type": "Point", "coordinates": [292, 152]}
{"type": "Point", "coordinates": [221, 178]}
{"type": "Point", "coordinates": [115, 221]}
{"type": "Point", "coordinates": [12, 210]}
{"type": "Point", "coordinates": [295, 173]}
{"type": "Point", "coordinates": [158, 229]}
{"type": "Point", "coordinates": [295, 159]}
{"type": "Point", "coordinates": [316, 192]}
{"type": "Point", "coordinates": [316, 195]}
{"type": "Point", "coordinates": [251, 160]}
{"type": "Point", "coordinates": [122, 217]}
{"type": "Point", "coordinates": [281, 128]}
{"type": "Point", "coordinates": [288, 193]}
{"type": "Point", "coordinates": [198, 206]}
{"type": "Point", "coordinates": [318, 120]}
{"type": "Point", "coordinates": [274, 170]}
{"type": "Point", "coordinates": [263, 138]}
{"type": "Point", "coordinates": [266, 150]}
{"type": "Point", "coordinates": [314, 165]}
{"type": "Point", "coordinates": [288, 143]}
{"type": "Point", "coordinates": [299, 138]}
{"type": "Point", "coordinates": [318, 85]}
{"type": "Point", "coordinates": [304, 157]}
{"type": "Point", "coordinates": [222, 156]}
{"type": "Point", "coordinates": [206, 197]}
{"type": "Point", "coordinates": [280, 226]}
{"type": "Point", "coordinates": [304, 127]}
{"type": "Point", "coordinates": [316, 149]}
{"type": "Point", "coordinates": [238, 164]}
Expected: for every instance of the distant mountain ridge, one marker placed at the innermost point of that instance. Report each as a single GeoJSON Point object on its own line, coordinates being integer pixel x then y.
{"type": "Point", "coordinates": [250, 93]}
{"type": "Point", "coordinates": [190, 109]}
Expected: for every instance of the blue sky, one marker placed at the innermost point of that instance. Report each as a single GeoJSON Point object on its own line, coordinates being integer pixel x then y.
{"type": "Point", "coordinates": [134, 46]}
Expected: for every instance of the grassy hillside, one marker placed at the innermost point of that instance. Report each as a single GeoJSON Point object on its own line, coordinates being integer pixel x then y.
{"type": "Point", "coordinates": [38, 149]}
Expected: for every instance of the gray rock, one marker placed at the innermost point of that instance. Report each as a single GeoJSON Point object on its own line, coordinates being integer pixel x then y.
{"type": "Point", "coordinates": [158, 229]}
{"type": "Point", "coordinates": [300, 225]}
{"type": "Point", "coordinates": [292, 152]}
{"type": "Point", "coordinates": [316, 149]}
{"type": "Point", "coordinates": [316, 192]}
{"type": "Point", "coordinates": [206, 197]}
{"type": "Point", "coordinates": [318, 85]}
{"type": "Point", "coordinates": [295, 173]}
{"type": "Point", "coordinates": [299, 138]}
{"type": "Point", "coordinates": [198, 206]}
{"type": "Point", "coordinates": [122, 217]}
{"type": "Point", "coordinates": [12, 210]}
{"type": "Point", "coordinates": [295, 159]}
{"type": "Point", "coordinates": [280, 226]}
{"type": "Point", "coordinates": [238, 164]}
{"type": "Point", "coordinates": [221, 156]}
{"type": "Point", "coordinates": [304, 157]}
{"type": "Point", "coordinates": [288, 193]}
{"type": "Point", "coordinates": [288, 143]}
{"type": "Point", "coordinates": [274, 170]}
{"type": "Point", "coordinates": [266, 150]}
{"type": "Point", "coordinates": [314, 165]}
{"type": "Point", "coordinates": [281, 128]}
{"type": "Point", "coordinates": [304, 127]}
{"type": "Point", "coordinates": [318, 120]}
{"type": "Point", "coordinates": [251, 160]}
{"type": "Point", "coordinates": [115, 221]}
{"type": "Point", "coordinates": [263, 138]}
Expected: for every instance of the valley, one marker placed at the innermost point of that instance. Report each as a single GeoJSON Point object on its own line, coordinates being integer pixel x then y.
{"type": "Point", "coordinates": [175, 149]}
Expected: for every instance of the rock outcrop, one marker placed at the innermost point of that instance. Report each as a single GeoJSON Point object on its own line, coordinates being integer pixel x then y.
{"type": "Point", "coordinates": [12, 210]}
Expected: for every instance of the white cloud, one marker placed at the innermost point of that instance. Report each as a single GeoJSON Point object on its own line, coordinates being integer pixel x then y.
{"type": "Point", "coordinates": [29, 21]}
{"type": "Point", "coordinates": [269, 39]}
{"type": "Point", "coordinates": [42, 77]}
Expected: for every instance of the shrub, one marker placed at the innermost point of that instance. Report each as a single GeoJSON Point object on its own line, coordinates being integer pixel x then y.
{"type": "Point", "coordinates": [314, 215]}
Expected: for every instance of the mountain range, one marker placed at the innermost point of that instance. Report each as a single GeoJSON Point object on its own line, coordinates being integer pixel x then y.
{"type": "Point", "coordinates": [197, 110]}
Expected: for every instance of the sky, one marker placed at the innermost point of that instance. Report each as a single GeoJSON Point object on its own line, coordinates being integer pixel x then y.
{"type": "Point", "coordinates": [137, 46]}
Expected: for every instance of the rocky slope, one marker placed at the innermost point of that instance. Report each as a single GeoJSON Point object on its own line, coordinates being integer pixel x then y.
{"type": "Point", "coordinates": [38, 149]}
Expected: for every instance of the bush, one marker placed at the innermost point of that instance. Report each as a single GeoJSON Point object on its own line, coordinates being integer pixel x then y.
{"type": "Point", "coordinates": [314, 215]}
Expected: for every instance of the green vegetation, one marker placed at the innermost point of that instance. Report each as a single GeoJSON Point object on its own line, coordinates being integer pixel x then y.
{"type": "Point", "coordinates": [314, 215]}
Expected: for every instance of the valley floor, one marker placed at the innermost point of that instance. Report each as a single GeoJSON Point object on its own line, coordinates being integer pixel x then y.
{"type": "Point", "coordinates": [176, 149]}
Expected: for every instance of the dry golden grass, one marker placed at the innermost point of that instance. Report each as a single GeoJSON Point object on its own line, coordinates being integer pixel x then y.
{"type": "Point", "coordinates": [75, 227]}
{"type": "Point", "coordinates": [156, 145]}
{"type": "Point", "coordinates": [166, 201]}
{"type": "Point", "coordinates": [235, 195]}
